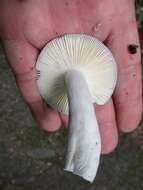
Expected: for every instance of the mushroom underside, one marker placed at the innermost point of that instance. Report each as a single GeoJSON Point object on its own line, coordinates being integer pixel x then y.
{"type": "Point", "coordinates": [75, 71]}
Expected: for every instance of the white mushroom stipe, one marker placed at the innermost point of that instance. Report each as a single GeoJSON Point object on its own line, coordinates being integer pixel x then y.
{"type": "Point", "coordinates": [84, 146]}
{"type": "Point", "coordinates": [75, 71]}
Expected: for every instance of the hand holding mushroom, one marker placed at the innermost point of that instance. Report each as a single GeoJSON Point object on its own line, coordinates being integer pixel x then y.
{"type": "Point", "coordinates": [74, 72]}
{"type": "Point", "coordinates": [25, 32]}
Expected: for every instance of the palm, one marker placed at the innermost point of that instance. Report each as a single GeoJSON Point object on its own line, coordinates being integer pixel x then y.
{"type": "Point", "coordinates": [33, 25]}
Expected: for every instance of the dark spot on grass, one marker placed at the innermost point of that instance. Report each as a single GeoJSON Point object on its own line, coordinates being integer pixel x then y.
{"type": "Point", "coordinates": [132, 48]}
{"type": "Point", "coordinates": [4, 67]}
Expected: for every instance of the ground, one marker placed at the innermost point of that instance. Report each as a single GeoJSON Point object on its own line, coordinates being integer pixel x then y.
{"type": "Point", "coordinates": [31, 159]}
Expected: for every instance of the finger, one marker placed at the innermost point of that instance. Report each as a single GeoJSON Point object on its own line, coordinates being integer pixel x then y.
{"type": "Point", "coordinates": [22, 58]}
{"type": "Point", "coordinates": [128, 93]}
{"type": "Point", "coordinates": [107, 126]}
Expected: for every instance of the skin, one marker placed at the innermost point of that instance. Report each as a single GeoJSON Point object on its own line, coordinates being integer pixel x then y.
{"type": "Point", "coordinates": [27, 25]}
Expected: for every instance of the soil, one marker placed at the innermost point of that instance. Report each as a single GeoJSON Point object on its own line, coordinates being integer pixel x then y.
{"type": "Point", "coordinates": [31, 159]}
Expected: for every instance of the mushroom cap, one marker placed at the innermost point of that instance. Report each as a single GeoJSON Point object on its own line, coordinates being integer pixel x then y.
{"type": "Point", "coordinates": [83, 53]}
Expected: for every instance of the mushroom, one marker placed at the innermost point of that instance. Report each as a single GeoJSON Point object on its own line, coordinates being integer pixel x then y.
{"type": "Point", "coordinates": [75, 71]}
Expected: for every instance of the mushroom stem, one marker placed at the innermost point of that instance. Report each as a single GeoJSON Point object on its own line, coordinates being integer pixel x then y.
{"type": "Point", "coordinates": [84, 144]}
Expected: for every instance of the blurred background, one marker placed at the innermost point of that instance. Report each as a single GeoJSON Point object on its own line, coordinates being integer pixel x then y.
{"type": "Point", "coordinates": [31, 159]}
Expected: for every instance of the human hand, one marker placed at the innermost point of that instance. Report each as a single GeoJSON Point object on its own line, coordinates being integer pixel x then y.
{"type": "Point", "coordinates": [26, 26]}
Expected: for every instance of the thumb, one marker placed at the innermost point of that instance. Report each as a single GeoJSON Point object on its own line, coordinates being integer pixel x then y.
{"type": "Point", "coordinates": [128, 93]}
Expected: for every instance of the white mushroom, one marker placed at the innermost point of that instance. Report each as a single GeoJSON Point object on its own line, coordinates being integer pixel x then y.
{"type": "Point", "coordinates": [76, 71]}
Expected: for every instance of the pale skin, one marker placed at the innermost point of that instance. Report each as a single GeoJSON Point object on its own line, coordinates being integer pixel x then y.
{"type": "Point", "coordinates": [27, 25]}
